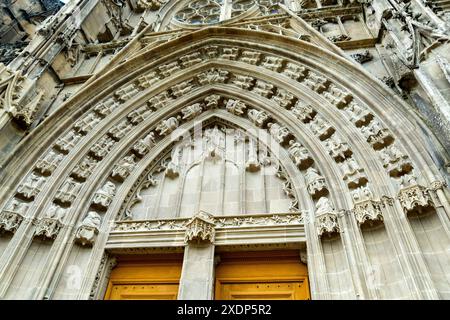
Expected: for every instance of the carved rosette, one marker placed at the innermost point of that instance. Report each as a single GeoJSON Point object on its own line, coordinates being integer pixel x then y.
{"type": "Point", "coordinates": [327, 225]}
{"type": "Point", "coordinates": [368, 213]}
{"type": "Point", "coordinates": [415, 199]}
{"type": "Point", "coordinates": [10, 221]}
{"type": "Point", "coordinates": [47, 228]}
{"type": "Point", "coordinates": [200, 228]}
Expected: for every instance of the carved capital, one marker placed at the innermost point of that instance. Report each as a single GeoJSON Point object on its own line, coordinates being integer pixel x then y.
{"type": "Point", "coordinates": [200, 228]}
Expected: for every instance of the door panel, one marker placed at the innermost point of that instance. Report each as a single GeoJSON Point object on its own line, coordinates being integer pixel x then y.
{"type": "Point", "coordinates": [145, 278]}
{"type": "Point", "coordinates": [262, 276]}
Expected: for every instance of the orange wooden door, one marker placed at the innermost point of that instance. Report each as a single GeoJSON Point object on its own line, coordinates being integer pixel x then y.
{"type": "Point", "coordinates": [145, 279]}
{"type": "Point", "coordinates": [265, 276]}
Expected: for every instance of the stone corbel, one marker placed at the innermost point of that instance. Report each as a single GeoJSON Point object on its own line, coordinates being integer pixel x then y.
{"type": "Point", "coordinates": [48, 228]}
{"type": "Point", "coordinates": [415, 199]}
{"type": "Point", "coordinates": [368, 213]}
{"type": "Point", "coordinates": [200, 228]}
{"type": "Point", "coordinates": [327, 225]}
{"type": "Point", "coordinates": [10, 221]}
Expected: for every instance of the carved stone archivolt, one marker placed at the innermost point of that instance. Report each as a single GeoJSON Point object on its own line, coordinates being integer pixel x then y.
{"type": "Point", "coordinates": [299, 105]}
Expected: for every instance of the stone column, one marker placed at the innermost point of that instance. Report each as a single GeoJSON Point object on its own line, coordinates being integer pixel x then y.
{"type": "Point", "coordinates": [197, 275]}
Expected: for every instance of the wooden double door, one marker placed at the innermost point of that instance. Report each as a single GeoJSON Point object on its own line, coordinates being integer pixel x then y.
{"type": "Point", "coordinates": [262, 276]}
{"type": "Point", "coordinates": [239, 276]}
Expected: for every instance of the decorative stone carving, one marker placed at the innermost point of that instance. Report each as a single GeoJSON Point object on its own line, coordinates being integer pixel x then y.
{"type": "Point", "coordinates": [87, 123]}
{"type": "Point", "coordinates": [173, 166]}
{"type": "Point", "coordinates": [339, 38]}
{"type": "Point", "coordinates": [159, 100]}
{"type": "Point", "coordinates": [211, 51]}
{"type": "Point", "coordinates": [200, 228]}
{"type": "Point", "coordinates": [362, 194]}
{"type": "Point", "coordinates": [284, 98]}
{"type": "Point", "coordinates": [192, 111]}
{"type": "Point", "coordinates": [214, 150]}
{"type": "Point", "coordinates": [323, 206]}
{"type": "Point", "coordinates": [236, 107]}
{"type": "Point", "coordinates": [415, 199]}
{"type": "Point", "coordinates": [230, 53]}
{"type": "Point", "coordinates": [150, 4]}
{"type": "Point", "coordinates": [213, 76]}
{"type": "Point", "coordinates": [67, 193]}
{"type": "Point", "coordinates": [272, 63]}
{"type": "Point", "coordinates": [143, 146]}
{"type": "Point", "coordinates": [179, 90]}
{"type": "Point", "coordinates": [321, 128]}
{"type": "Point", "coordinates": [259, 118]}
{"type": "Point", "coordinates": [106, 107]}
{"type": "Point", "coordinates": [303, 112]}
{"type": "Point", "coordinates": [84, 169]}
{"type": "Point", "coordinates": [353, 174]}
{"type": "Point", "coordinates": [48, 164]}
{"type": "Point", "coordinates": [337, 97]}
{"type": "Point", "coordinates": [12, 216]}
{"type": "Point", "coordinates": [326, 219]}
{"type": "Point", "coordinates": [376, 135]}
{"type": "Point", "coordinates": [316, 82]}
{"type": "Point", "coordinates": [300, 155]}
{"type": "Point", "coordinates": [263, 88]}
{"type": "Point", "coordinates": [68, 141]}
{"type": "Point", "coordinates": [123, 169]}
{"type": "Point", "coordinates": [357, 114]}
{"type": "Point", "coordinates": [102, 147]}
{"type": "Point", "coordinates": [250, 57]}
{"type": "Point", "coordinates": [139, 115]}
{"type": "Point", "coordinates": [146, 81]}
{"type": "Point", "coordinates": [88, 230]}
{"type": "Point", "coordinates": [31, 186]}
{"type": "Point", "coordinates": [47, 228]}
{"type": "Point", "coordinates": [252, 164]}
{"type": "Point", "coordinates": [191, 59]}
{"type": "Point", "coordinates": [120, 130]}
{"type": "Point", "coordinates": [126, 93]}
{"type": "Point", "coordinates": [315, 183]}
{"type": "Point", "coordinates": [280, 133]}
{"type": "Point", "coordinates": [168, 69]}
{"type": "Point", "coordinates": [362, 57]}
{"type": "Point", "coordinates": [368, 213]}
{"type": "Point", "coordinates": [165, 127]}
{"type": "Point", "coordinates": [338, 149]}
{"type": "Point", "coordinates": [395, 162]}
{"type": "Point", "coordinates": [104, 196]}
{"type": "Point", "coordinates": [243, 82]}
{"type": "Point", "coordinates": [212, 101]}
{"type": "Point", "coordinates": [295, 72]}
{"type": "Point", "coordinates": [51, 223]}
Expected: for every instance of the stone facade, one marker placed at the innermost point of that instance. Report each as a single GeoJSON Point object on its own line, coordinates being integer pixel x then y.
{"type": "Point", "coordinates": [150, 126]}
